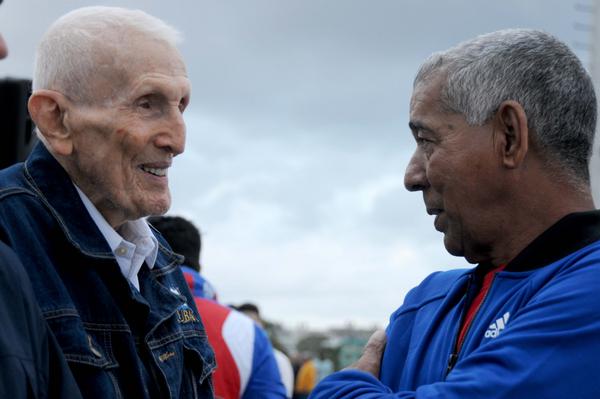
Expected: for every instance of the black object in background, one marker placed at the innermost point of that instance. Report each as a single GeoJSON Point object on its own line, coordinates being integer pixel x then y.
{"type": "Point", "coordinates": [16, 129]}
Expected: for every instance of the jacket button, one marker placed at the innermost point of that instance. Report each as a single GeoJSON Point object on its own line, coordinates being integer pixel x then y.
{"type": "Point", "coordinates": [95, 351]}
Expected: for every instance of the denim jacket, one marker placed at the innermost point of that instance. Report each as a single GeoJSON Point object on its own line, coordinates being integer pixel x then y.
{"type": "Point", "coordinates": [119, 342]}
{"type": "Point", "coordinates": [31, 362]}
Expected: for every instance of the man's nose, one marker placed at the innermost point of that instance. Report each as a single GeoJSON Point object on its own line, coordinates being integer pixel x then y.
{"type": "Point", "coordinates": [172, 136]}
{"type": "Point", "coordinates": [415, 177]}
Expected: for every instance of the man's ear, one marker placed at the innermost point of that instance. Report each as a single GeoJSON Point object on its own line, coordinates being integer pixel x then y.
{"type": "Point", "coordinates": [47, 109]}
{"type": "Point", "coordinates": [512, 133]}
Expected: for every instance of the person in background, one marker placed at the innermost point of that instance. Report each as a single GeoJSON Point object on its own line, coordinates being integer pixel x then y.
{"type": "Point", "coordinates": [31, 363]}
{"type": "Point", "coordinates": [284, 363]}
{"type": "Point", "coordinates": [323, 365]}
{"type": "Point", "coordinates": [306, 379]}
{"type": "Point", "coordinates": [503, 125]}
{"type": "Point", "coordinates": [186, 240]}
{"type": "Point", "coordinates": [109, 90]}
{"type": "Point", "coordinates": [246, 366]}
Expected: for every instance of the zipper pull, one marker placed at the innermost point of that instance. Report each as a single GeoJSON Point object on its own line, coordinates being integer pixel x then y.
{"type": "Point", "coordinates": [451, 362]}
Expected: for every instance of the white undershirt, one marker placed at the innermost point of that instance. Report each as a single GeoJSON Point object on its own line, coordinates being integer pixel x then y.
{"type": "Point", "coordinates": [134, 245]}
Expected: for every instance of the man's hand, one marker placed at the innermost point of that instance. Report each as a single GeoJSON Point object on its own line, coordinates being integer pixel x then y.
{"type": "Point", "coordinates": [370, 361]}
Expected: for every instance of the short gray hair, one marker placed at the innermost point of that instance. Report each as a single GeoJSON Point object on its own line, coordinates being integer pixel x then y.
{"type": "Point", "coordinates": [533, 68]}
{"type": "Point", "coordinates": [66, 58]}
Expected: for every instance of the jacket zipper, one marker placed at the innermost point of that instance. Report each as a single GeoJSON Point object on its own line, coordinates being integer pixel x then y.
{"type": "Point", "coordinates": [453, 358]}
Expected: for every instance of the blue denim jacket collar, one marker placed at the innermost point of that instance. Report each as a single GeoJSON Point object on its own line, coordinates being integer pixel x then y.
{"type": "Point", "coordinates": [102, 330]}
{"type": "Point", "coordinates": [55, 188]}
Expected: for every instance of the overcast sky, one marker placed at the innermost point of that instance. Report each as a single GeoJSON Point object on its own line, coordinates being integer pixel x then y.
{"type": "Point", "coordinates": [298, 139]}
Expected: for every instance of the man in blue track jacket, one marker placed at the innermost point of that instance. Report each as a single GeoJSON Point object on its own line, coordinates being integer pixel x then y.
{"type": "Point", "coordinates": [504, 125]}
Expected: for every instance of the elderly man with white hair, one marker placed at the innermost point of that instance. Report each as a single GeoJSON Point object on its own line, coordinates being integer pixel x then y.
{"type": "Point", "coordinates": [109, 91]}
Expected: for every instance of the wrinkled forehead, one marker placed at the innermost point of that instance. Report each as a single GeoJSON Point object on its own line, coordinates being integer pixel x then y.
{"type": "Point", "coordinates": [117, 66]}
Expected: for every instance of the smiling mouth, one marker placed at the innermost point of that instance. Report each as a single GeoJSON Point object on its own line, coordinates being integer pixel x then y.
{"type": "Point", "coordinates": [160, 172]}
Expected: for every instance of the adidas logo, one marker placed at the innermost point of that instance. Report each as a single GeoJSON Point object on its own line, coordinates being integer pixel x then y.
{"type": "Point", "coordinates": [496, 327]}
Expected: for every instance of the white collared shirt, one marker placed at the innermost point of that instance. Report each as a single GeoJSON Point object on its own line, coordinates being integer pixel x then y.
{"type": "Point", "coordinates": [134, 245]}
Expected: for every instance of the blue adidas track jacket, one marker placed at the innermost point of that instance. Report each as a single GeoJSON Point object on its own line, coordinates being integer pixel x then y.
{"type": "Point", "coordinates": [536, 334]}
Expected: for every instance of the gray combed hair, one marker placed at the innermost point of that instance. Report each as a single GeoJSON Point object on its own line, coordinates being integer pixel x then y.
{"type": "Point", "coordinates": [66, 58]}
{"type": "Point", "coordinates": [539, 72]}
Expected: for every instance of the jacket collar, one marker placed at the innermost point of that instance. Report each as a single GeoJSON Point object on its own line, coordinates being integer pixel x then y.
{"type": "Point", "coordinates": [570, 234]}
{"type": "Point", "coordinates": [55, 188]}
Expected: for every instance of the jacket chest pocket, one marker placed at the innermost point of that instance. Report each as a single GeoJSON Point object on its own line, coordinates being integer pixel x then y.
{"type": "Point", "coordinates": [89, 353]}
{"type": "Point", "coordinates": [187, 363]}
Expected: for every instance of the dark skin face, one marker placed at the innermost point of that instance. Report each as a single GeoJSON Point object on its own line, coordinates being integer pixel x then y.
{"type": "Point", "coordinates": [455, 167]}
